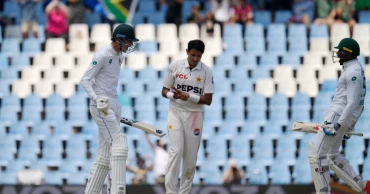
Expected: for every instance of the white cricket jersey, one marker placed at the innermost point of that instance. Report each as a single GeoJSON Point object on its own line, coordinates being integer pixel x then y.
{"type": "Point", "coordinates": [198, 81]}
{"type": "Point", "coordinates": [350, 93]}
{"type": "Point", "coordinates": [101, 77]}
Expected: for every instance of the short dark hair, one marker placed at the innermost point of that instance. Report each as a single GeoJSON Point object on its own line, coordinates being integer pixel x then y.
{"type": "Point", "coordinates": [197, 45]}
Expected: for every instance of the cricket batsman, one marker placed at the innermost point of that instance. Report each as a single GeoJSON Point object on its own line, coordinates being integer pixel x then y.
{"type": "Point", "coordinates": [100, 83]}
{"type": "Point", "coordinates": [345, 109]}
{"type": "Point", "coordinates": [189, 85]}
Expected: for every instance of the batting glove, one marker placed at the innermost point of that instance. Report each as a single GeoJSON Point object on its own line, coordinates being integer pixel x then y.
{"type": "Point", "coordinates": [330, 129]}
{"type": "Point", "coordinates": [102, 103]}
{"type": "Point", "coordinates": [346, 136]}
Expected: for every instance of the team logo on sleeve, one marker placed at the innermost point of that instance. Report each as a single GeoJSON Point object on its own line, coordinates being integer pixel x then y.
{"type": "Point", "coordinates": [198, 79]}
{"type": "Point", "coordinates": [354, 78]}
{"type": "Point", "coordinates": [94, 63]}
{"type": "Point", "coordinates": [110, 61]}
{"type": "Point", "coordinates": [196, 131]}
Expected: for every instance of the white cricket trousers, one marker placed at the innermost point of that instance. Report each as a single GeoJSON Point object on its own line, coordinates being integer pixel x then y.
{"type": "Point", "coordinates": [185, 131]}
{"type": "Point", "coordinates": [109, 127]}
{"type": "Point", "coordinates": [328, 146]}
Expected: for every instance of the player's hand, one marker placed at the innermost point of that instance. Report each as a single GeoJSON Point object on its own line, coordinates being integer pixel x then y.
{"type": "Point", "coordinates": [346, 136]}
{"type": "Point", "coordinates": [102, 103]}
{"type": "Point", "coordinates": [331, 129]}
{"type": "Point", "coordinates": [179, 94]}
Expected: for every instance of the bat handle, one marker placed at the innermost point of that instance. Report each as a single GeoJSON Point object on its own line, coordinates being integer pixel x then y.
{"type": "Point", "coordinates": [354, 133]}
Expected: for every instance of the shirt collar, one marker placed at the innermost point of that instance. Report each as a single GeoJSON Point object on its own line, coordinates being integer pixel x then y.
{"type": "Point", "coordinates": [198, 67]}
{"type": "Point", "coordinates": [349, 63]}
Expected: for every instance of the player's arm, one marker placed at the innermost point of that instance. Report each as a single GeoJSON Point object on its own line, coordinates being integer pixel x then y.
{"type": "Point", "coordinates": [95, 66]}
{"type": "Point", "coordinates": [168, 81]}
{"type": "Point", "coordinates": [354, 92]}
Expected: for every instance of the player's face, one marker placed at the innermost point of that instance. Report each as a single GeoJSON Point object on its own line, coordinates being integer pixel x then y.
{"type": "Point", "coordinates": [126, 43]}
{"type": "Point", "coordinates": [194, 57]}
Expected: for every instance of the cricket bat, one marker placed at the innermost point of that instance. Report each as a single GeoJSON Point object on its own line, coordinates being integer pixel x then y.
{"type": "Point", "coordinates": [313, 128]}
{"type": "Point", "coordinates": [143, 126]}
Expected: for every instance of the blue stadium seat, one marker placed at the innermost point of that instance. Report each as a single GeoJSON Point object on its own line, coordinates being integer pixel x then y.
{"type": "Point", "coordinates": [11, 101]}
{"type": "Point", "coordinates": [8, 115]}
{"type": "Point", "coordinates": [63, 129]}
{"type": "Point", "coordinates": [41, 129]}
{"type": "Point", "coordinates": [319, 113]}
{"type": "Point", "coordinates": [210, 171]}
{"type": "Point", "coordinates": [77, 101]}
{"type": "Point", "coordinates": [9, 75]}
{"type": "Point", "coordinates": [223, 88]}
{"type": "Point", "coordinates": [138, 19]}
{"type": "Point", "coordinates": [276, 31]}
{"type": "Point", "coordinates": [234, 102]}
{"type": "Point", "coordinates": [254, 31]}
{"type": "Point", "coordinates": [78, 116]}
{"type": "Point", "coordinates": [76, 148]}
{"type": "Point", "coordinates": [234, 45]}
{"type": "Point", "coordinates": [298, 45]}
{"type": "Point", "coordinates": [319, 31]}
{"type": "Point", "coordinates": [33, 101]}
{"type": "Point", "coordinates": [323, 99]}
{"type": "Point", "coordinates": [297, 31]}
{"type": "Point", "coordinates": [154, 87]}
{"type": "Point", "coordinates": [244, 88]}
{"type": "Point", "coordinates": [366, 169]}
{"type": "Point", "coordinates": [157, 18]}
{"type": "Point", "coordinates": [364, 17]}
{"type": "Point", "coordinates": [55, 100]}
{"type": "Point", "coordinates": [148, 74]}
{"type": "Point", "coordinates": [147, 116]}
{"type": "Point", "coordinates": [355, 152]}
{"type": "Point", "coordinates": [256, 102]}
{"type": "Point", "coordinates": [239, 74]}
{"type": "Point", "coordinates": [92, 18]}
{"type": "Point", "coordinates": [293, 59]}
{"type": "Point", "coordinates": [302, 173]}
{"type": "Point", "coordinates": [7, 147]}
{"type": "Point", "coordinates": [232, 31]}
{"type": "Point", "coordinates": [40, 14]}
{"type": "Point", "coordinates": [300, 114]}
{"type": "Point", "coordinates": [282, 16]}
{"type": "Point", "coordinates": [279, 102]}
{"type": "Point", "coordinates": [144, 102]}
{"type": "Point", "coordinates": [263, 150]}
{"type": "Point", "coordinates": [147, 7]}
{"type": "Point", "coordinates": [269, 60]}
{"type": "Point", "coordinates": [225, 61]}
{"type": "Point", "coordinates": [257, 173]}
{"type": "Point", "coordinates": [54, 114]}
{"type": "Point", "coordinates": [257, 115]}
{"type": "Point", "coordinates": [20, 61]}
{"type": "Point", "coordinates": [134, 88]}
{"type": "Point", "coordinates": [286, 148]}
{"type": "Point", "coordinates": [278, 46]}
{"type": "Point", "coordinates": [235, 115]}
{"type": "Point", "coordinates": [186, 8]}
{"type": "Point", "coordinates": [31, 115]}
{"type": "Point", "coordinates": [53, 178]}
{"type": "Point", "coordinates": [90, 129]}
{"type": "Point", "coordinates": [19, 130]}
{"type": "Point", "coordinates": [12, 46]}
{"type": "Point", "coordinates": [239, 149]}
{"type": "Point", "coordinates": [279, 173]}
{"type": "Point", "coordinates": [262, 17]}
{"type": "Point", "coordinates": [1, 34]}
{"type": "Point", "coordinates": [328, 86]}
{"type": "Point", "coordinates": [78, 178]}
{"type": "Point", "coordinates": [148, 47]}
{"type": "Point", "coordinates": [4, 88]}
{"type": "Point", "coordinates": [31, 46]}
{"type": "Point", "coordinates": [124, 99]}
{"type": "Point", "coordinates": [255, 45]}
{"type": "Point", "coordinates": [247, 60]}
{"type": "Point", "coordinates": [301, 100]}
{"type": "Point", "coordinates": [251, 129]}
{"type": "Point", "coordinates": [29, 149]}
{"type": "Point", "coordinates": [260, 72]}
{"type": "Point", "coordinates": [126, 74]}
{"type": "Point", "coordinates": [3, 61]}
{"type": "Point", "coordinates": [273, 128]}
{"type": "Point", "coordinates": [12, 10]}
{"type": "Point", "coordinates": [217, 142]}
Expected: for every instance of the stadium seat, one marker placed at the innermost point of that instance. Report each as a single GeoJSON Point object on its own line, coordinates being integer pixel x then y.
{"type": "Point", "coordinates": [20, 61]}
{"type": "Point", "coordinates": [254, 31]}
{"type": "Point", "coordinates": [92, 18]}
{"type": "Point", "coordinates": [279, 173]}
{"type": "Point", "coordinates": [79, 47]}
{"type": "Point", "coordinates": [53, 178]}
{"type": "Point", "coordinates": [297, 31]}
{"type": "Point", "coordinates": [43, 89]}
{"type": "Point", "coordinates": [232, 31]}
{"type": "Point", "coordinates": [319, 46]}
{"type": "Point", "coordinates": [31, 46]}
{"type": "Point", "coordinates": [78, 32]}
{"type": "Point", "coordinates": [287, 87]}
{"type": "Point", "coordinates": [292, 59]}
{"type": "Point", "coordinates": [8, 115]}
{"type": "Point", "coordinates": [11, 101]}
{"type": "Point", "coordinates": [210, 171]}
{"type": "Point", "coordinates": [158, 61]}
{"type": "Point", "coordinates": [255, 46]}
{"type": "Point", "coordinates": [257, 173]}
{"type": "Point", "coordinates": [166, 32]}
{"type": "Point", "coordinates": [137, 61]}
{"type": "Point", "coordinates": [33, 101]}
{"type": "Point", "coordinates": [282, 16]}
{"type": "Point", "coordinates": [262, 17]}
{"type": "Point", "coordinates": [188, 32]}
{"type": "Point", "coordinates": [158, 18]}
{"type": "Point", "coordinates": [223, 88]}
{"type": "Point", "coordinates": [319, 31]}
{"type": "Point", "coordinates": [13, 10]}
{"type": "Point", "coordinates": [55, 46]}
{"type": "Point", "coordinates": [275, 32]}
{"type": "Point", "coordinates": [339, 31]}
{"type": "Point", "coordinates": [241, 155]}
{"type": "Point", "coordinates": [65, 62]}
{"type": "Point", "coordinates": [217, 142]}
{"type": "Point", "coordinates": [298, 45]}
{"type": "Point", "coordinates": [216, 32]}
{"type": "Point", "coordinates": [235, 115]}
{"type": "Point", "coordinates": [328, 72]}
{"type": "Point", "coordinates": [247, 60]}
{"type": "Point", "coordinates": [214, 46]}
{"type": "Point", "coordinates": [169, 47]}
{"type": "Point", "coordinates": [11, 48]}
{"type": "Point", "coordinates": [265, 87]}
{"type": "Point", "coordinates": [225, 61]}
{"type": "Point", "coordinates": [145, 32]}
{"type": "Point", "coordinates": [286, 149]}
{"type": "Point", "coordinates": [31, 75]}
{"type": "Point", "coordinates": [256, 102]}
{"type": "Point", "coordinates": [269, 60]}
{"type": "Point", "coordinates": [31, 115]}
{"type": "Point", "coordinates": [19, 130]}
{"type": "Point", "coordinates": [4, 61]}
{"type": "Point", "coordinates": [313, 60]}
{"type": "Point", "coordinates": [239, 76]}
{"type": "Point", "coordinates": [283, 73]}
{"type": "Point", "coordinates": [361, 32]}
{"type": "Point", "coordinates": [277, 46]}
{"type": "Point", "coordinates": [13, 32]}
{"type": "Point", "coordinates": [302, 173]}
{"type": "Point", "coordinates": [4, 88]}
{"type": "Point", "coordinates": [42, 61]}
{"type": "Point", "coordinates": [21, 88]}
{"type": "Point", "coordinates": [100, 32]}
{"type": "Point", "coordinates": [65, 88]}
{"type": "Point", "coordinates": [364, 17]}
